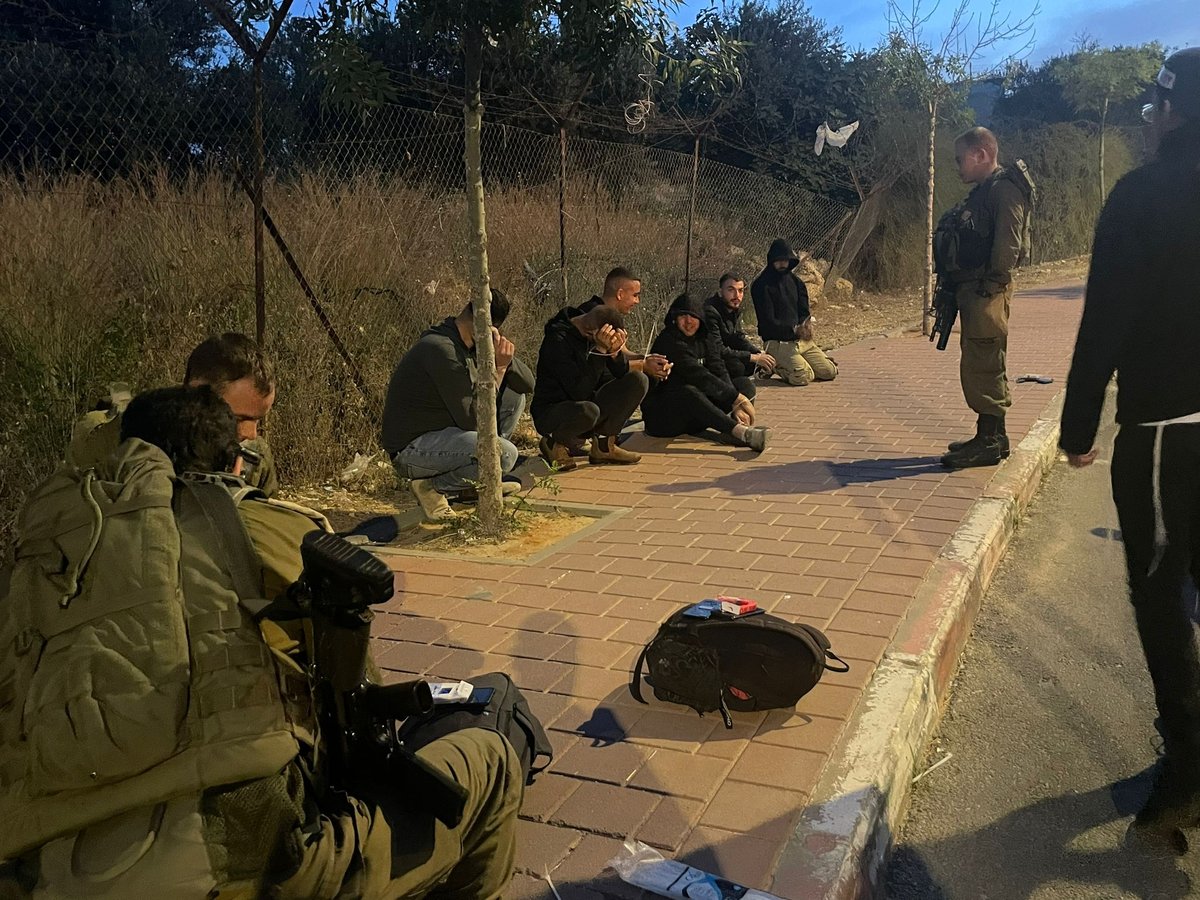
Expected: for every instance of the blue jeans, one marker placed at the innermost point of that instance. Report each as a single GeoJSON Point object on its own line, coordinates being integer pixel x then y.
{"type": "Point", "coordinates": [448, 456]}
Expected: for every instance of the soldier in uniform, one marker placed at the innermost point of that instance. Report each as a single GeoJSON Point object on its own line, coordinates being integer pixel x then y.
{"type": "Point", "coordinates": [976, 248]}
{"type": "Point", "coordinates": [177, 753]}
{"type": "Point", "coordinates": [238, 370]}
{"type": "Point", "coordinates": [1141, 320]}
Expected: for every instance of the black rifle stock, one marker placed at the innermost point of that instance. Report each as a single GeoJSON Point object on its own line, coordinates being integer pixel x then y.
{"type": "Point", "coordinates": [358, 719]}
{"type": "Point", "coordinates": [945, 311]}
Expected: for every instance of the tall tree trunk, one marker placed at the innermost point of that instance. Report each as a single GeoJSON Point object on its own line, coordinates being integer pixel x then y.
{"type": "Point", "coordinates": [1103, 119]}
{"type": "Point", "coordinates": [927, 317]}
{"type": "Point", "coordinates": [487, 449]}
{"type": "Point", "coordinates": [687, 253]}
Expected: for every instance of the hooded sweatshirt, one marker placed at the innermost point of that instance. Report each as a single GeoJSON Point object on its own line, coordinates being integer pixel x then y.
{"type": "Point", "coordinates": [433, 387]}
{"type": "Point", "coordinates": [725, 323]}
{"type": "Point", "coordinates": [566, 370]}
{"type": "Point", "coordinates": [1142, 312]}
{"type": "Point", "coordinates": [696, 360]}
{"type": "Point", "coordinates": [780, 298]}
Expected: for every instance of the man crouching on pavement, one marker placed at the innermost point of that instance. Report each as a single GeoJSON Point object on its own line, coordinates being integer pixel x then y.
{"type": "Point", "coordinates": [585, 387]}
{"type": "Point", "coordinates": [429, 412]}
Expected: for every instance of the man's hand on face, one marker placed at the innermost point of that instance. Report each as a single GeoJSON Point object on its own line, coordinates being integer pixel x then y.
{"type": "Point", "coordinates": [656, 366]}
{"type": "Point", "coordinates": [504, 349]}
{"type": "Point", "coordinates": [763, 361]}
{"type": "Point", "coordinates": [610, 340]}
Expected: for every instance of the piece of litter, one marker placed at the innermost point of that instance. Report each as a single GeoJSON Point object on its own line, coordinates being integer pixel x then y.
{"type": "Point", "coordinates": [931, 768]}
{"type": "Point", "coordinates": [644, 867]}
{"type": "Point", "coordinates": [553, 889]}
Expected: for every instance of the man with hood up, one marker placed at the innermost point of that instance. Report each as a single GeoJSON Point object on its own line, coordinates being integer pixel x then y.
{"type": "Point", "coordinates": [784, 321]}
{"type": "Point", "coordinates": [698, 394]}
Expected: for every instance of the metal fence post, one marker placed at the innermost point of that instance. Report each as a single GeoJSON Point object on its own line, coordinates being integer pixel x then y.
{"type": "Point", "coordinates": [687, 253]}
{"type": "Point", "coordinates": [562, 209]}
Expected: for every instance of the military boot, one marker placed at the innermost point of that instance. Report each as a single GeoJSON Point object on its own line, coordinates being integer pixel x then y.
{"type": "Point", "coordinates": [1004, 448]}
{"type": "Point", "coordinates": [985, 449]}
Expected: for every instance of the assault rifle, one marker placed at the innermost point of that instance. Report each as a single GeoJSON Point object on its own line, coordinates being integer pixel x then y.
{"type": "Point", "coordinates": [339, 586]}
{"type": "Point", "coordinates": [945, 311]}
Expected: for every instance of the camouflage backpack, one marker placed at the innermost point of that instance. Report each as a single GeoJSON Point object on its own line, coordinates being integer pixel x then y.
{"type": "Point", "coordinates": [132, 669]}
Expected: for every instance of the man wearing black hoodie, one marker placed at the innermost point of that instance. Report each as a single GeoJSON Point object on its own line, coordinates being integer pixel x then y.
{"type": "Point", "coordinates": [722, 316]}
{"type": "Point", "coordinates": [784, 321]}
{"type": "Point", "coordinates": [698, 394]}
{"type": "Point", "coordinates": [1142, 305]}
{"type": "Point", "coordinates": [585, 387]}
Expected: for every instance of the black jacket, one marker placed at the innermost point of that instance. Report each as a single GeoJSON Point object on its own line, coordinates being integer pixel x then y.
{"type": "Point", "coordinates": [566, 370]}
{"type": "Point", "coordinates": [780, 298]}
{"type": "Point", "coordinates": [695, 360]}
{"type": "Point", "coordinates": [433, 386]}
{"type": "Point", "coordinates": [1142, 314]}
{"type": "Point", "coordinates": [725, 324]}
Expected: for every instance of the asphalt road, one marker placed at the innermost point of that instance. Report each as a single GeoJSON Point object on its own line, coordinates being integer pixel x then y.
{"type": "Point", "coordinates": [1049, 731]}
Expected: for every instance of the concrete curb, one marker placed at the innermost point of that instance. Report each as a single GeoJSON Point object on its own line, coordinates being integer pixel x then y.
{"type": "Point", "coordinates": [840, 847]}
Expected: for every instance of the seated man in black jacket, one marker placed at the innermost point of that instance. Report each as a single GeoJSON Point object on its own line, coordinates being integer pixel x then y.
{"type": "Point", "coordinates": [784, 321]}
{"type": "Point", "coordinates": [429, 414]}
{"type": "Point", "coordinates": [585, 386]}
{"type": "Point", "coordinates": [722, 315]}
{"type": "Point", "coordinates": [698, 394]}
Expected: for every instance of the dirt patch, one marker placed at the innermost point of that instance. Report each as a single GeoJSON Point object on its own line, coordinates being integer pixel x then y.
{"type": "Point", "coordinates": [536, 532]}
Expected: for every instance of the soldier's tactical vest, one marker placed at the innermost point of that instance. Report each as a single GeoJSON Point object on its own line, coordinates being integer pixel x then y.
{"type": "Point", "coordinates": [131, 669]}
{"type": "Point", "coordinates": [962, 243]}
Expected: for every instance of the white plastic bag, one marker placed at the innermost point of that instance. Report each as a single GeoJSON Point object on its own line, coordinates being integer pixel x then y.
{"type": "Point", "coordinates": [644, 867]}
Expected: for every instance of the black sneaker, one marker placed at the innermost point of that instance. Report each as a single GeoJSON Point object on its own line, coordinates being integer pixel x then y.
{"type": "Point", "coordinates": [955, 446]}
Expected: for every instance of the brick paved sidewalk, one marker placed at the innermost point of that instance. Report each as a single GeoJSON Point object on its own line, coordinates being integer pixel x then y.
{"type": "Point", "coordinates": [835, 524]}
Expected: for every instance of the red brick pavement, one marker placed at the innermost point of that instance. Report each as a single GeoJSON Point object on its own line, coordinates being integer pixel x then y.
{"type": "Point", "coordinates": [835, 524]}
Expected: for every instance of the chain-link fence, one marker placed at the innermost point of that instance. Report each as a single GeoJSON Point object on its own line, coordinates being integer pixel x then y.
{"type": "Point", "coordinates": [126, 231]}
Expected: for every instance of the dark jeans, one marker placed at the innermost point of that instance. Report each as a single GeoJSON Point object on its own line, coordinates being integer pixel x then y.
{"type": "Point", "coordinates": [604, 415]}
{"type": "Point", "coordinates": [683, 410]}
{"type": "Point", "coordinates": [1161, 579]}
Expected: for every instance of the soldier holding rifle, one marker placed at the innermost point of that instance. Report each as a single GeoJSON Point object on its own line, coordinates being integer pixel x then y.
{"type": "Point", "coordinates": [976, 246]}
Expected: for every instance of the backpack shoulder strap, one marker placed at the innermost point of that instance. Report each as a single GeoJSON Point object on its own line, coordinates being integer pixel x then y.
{"type": "Point", "coordinates": [635, 682]}
{"type": "Point", "coordinates": [226, 531]}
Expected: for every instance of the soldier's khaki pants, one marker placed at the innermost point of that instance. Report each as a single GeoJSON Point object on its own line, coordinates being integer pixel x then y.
{"type": "Point", "coordinates": [984, 341]}
{"type": "Point", "coordinates": [402, 854]}
{"type": "Point", "coordinates": [369, 850]}
{"type": "Point", "coordinates": [800, 362]}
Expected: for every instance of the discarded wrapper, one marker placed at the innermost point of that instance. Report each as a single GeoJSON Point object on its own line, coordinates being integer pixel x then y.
{"type": "Point", "coordinates": [645, 867]}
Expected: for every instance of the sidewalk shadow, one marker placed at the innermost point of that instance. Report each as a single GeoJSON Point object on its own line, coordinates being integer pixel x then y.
{"type": "Point", "coordinates": [1065, 839]}
{"type": "Point", "coordinates": [809, 476]}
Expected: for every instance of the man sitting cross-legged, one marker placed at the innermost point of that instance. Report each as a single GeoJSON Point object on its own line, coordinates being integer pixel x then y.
{"type": "Point", "coordinates": [429, 415]}
{"type": "Point", "coordinates": [698, 394]}
{"type": "Point", "coordinates": [585, 386]}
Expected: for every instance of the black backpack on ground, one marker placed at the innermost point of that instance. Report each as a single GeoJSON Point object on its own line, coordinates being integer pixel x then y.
{"type": "Point", "coordinates": [507, 712]}
{"type": "Point", "coordinates": [725, 663]}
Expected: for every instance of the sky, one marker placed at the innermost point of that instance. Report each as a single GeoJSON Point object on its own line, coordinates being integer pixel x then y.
{"type": "Point", "coordinates": [1175, 23]}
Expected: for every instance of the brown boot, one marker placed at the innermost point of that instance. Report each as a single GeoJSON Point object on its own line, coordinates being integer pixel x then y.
{"type": "Point", "coordinates": [433, 502]}
{"type": "Point", "coordinates": [558, 455]}
{"type": "Point", "coordinates": [605, 450]}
